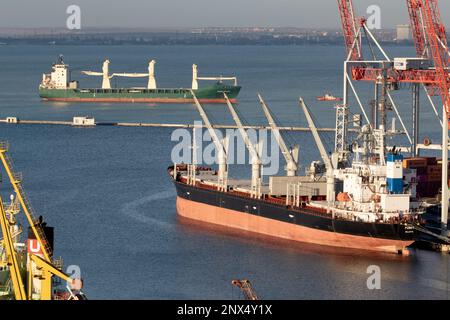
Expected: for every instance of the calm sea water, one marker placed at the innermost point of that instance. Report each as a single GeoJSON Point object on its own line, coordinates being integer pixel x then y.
{"type": "Point", "coordinates": [106, 191]}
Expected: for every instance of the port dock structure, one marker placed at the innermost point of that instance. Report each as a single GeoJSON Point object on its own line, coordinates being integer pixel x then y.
{"type": "Point", "coordinates": [428, 70]}
{"type": "Point", "coordinates": [18, 121]}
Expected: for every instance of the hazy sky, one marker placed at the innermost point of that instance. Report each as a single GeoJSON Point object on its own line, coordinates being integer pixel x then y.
{"type": "Point", "coordinates": [196, 13]}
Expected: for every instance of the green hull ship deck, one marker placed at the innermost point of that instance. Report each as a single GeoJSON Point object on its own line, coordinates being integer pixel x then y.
{"type": "Point", "coordinates": [57, 86]}
{"type": "Point", "coordinates": [210, 94]}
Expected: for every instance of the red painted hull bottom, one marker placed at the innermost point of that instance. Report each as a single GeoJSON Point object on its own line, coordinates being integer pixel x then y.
{"type": "Point", "coordinates": [239, 220]}
{"type": "Point", "coordinates": [139, 100]}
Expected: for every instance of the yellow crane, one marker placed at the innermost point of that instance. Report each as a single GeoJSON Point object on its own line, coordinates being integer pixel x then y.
{"type": "Point", "coordinates": [39, 270]}
{"type": "Point", "coordinates": [12, 261]}
{"type": "Point", "coordinates": [44, 272]}
{"type": "Point", "coordinates": [16, 182]}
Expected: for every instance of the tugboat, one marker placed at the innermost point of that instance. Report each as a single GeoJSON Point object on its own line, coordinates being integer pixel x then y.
{"type": "Point", "coordinates": [328, 97]}
{"type": "Point", "coordinates": [58, 86]}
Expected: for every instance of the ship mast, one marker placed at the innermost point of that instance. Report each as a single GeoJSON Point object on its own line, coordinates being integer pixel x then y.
{"type": "Point", "coordinates": [254, 153]}
{"type": "Point", "coordinates": [220, 147]}
{"type": "Point", "coordinates": [291, 163]}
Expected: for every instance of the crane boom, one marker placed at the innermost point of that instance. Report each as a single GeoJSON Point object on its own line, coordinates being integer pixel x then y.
{"type": "Point", "coordinates": [130, 75]}
{"type": "Point", "coordinates": [255, 155]}
{"type": "Point", "coordinates": [417, 27]}
{"type": "Point", "coordinates": [315, 133]}
{"type": "Point", "coordinates": [47, 270]}
{"type": "Point", "coordinates": [245, 137]}
{"type": "Point", "coordinates": [15, 180]}
{"type": "Point", "coordinates": [349, 29]}
{"type": "Point", "coordinates": [14, 270]}
{"type": "Point", "coordinates": [438, 47]}
{"type": "Point", "coordinates": [92, 73]}
{"type": "Point", "coordinates": [326, 160]}
{"type": "Point", "coordinates": [220, 148]}
{"type": "Point", "coordinates": [291, 166]}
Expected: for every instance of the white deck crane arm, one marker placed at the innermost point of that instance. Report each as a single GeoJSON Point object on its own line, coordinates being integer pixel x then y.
{"type": "Point", "coordinates": [255, 155]}
{"type": "Point", "coordinates": [290, 161]}
{"type": "Point", "coordinates": [331, 196]}
{"type": "Point", "coordinates": [315, 133]}
{"type": "Point", "coordinates": [244, 134]}
{"type": "Point", "coordinates": [220, 148]}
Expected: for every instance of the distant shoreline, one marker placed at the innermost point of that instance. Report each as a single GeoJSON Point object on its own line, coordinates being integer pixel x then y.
{"type": "Point", "coordinates": [193, 36]}
{"type": "Point", "coordinates": [183, 42]}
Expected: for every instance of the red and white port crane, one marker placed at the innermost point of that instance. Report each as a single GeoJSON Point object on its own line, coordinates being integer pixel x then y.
{"type": "Point", "coordinates": [433, 73]}
{"type": "Point", "coordinates": [417, 27]}
{"type": "Point", "coordinates": [352, 37]}
{"type": "Point", "coordinates": [437, 42]}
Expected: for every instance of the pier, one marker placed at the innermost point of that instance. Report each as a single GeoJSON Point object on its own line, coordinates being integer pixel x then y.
{"type": "Point", "coordinates": [17, 121]}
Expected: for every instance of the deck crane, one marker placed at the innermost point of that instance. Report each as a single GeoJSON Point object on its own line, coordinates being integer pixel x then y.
{"type": "Point", "coordinates": [44, 267]}
{"type": "Point", "coordinates": [106, 83]}
{"type": "Point", "coordinates": [221, 148]}
{"type": "Point", "coordinates": [254, 153]}
{"type": "Point", "coordinates": [290, 156]}
{"type": "Point", "coordinates": [323, 153]}
{"type": "Point", "coordinates": [44, 271]}
{"type": "Point", "coordinates": [435, 31]}
{"type": "Point", "coordinates": [151, 75]}
{"type": "Point", "coordinates": [247, 289]}
{"type": "Point", "coordinates": [12, 260]}
{"type": "Point", "coordinates": [195, 78]}
{"type": "Point", "coordinates": [16, 182]}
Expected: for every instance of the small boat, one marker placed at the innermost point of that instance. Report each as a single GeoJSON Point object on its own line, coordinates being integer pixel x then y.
{"type": "Point", "coordinates": [328, 97]}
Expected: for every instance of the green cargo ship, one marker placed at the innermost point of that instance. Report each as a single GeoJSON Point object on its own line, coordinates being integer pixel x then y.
{"type": "Point", "coordinates": [57, 86]}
